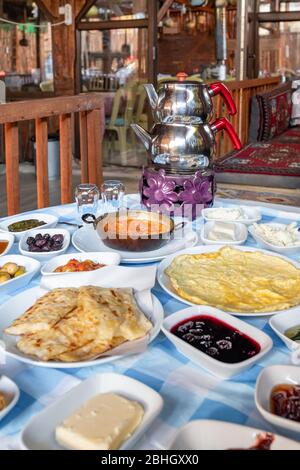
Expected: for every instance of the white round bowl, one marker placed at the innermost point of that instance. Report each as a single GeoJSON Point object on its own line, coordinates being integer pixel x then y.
{"type": "Point", "coordinates": [269, 378]}
{"type": "Point", "coordinates": [284, 250]}
{"type": "Point", "coordinates": [7, 237]}
{"type": "Point", "coordinates": [49, 219]}
{"type": "Point", "coordinates": [44, 256]}
{"type": "Point", "coordinates": [241, 234]}
{"type": "Point", "coordinates": [108, 258]}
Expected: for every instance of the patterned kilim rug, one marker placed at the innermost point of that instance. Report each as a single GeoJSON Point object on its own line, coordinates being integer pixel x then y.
{"type": "Point", "coordinates": [290, 197]}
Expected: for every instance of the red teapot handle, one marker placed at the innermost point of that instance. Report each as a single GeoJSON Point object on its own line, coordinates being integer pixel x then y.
{"type": "Point", "coordinates": [219, 88]}
{"type": "Point", "coordinates": [223, 124]}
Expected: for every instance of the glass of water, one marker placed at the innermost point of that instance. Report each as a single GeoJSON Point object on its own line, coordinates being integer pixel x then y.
{"type": "Point", "coordinates": [112, 192]}
{"type": "Point", "coordinates": [87, 197]}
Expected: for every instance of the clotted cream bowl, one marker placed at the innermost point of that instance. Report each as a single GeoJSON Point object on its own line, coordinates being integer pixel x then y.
{"type": "Point", "coordinates": [133, 230]}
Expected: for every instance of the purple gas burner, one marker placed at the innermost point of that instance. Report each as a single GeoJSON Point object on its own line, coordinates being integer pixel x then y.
{"type": "Point", "coordinates": [181, 195]}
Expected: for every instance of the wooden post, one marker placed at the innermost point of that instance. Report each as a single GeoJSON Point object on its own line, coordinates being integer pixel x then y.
{"type": "Point", "coordinates": [94, 147]}
{"type": "Point", "coordinates": [41, 134]}
{"type": "Point", "coordinates": [84, 146]}
{"type": "Point", "coordinates": [65, 136]}
{"type": "Point", "coordinates": [12, 167]}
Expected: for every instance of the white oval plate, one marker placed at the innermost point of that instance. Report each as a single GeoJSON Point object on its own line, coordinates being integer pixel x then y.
{"type": "Point", "coordinates": [253, 215]}
{"type": "Point", "coordinates": [284, 250]}
{"type": "Point", "coordinates": [86, 239]}
{"type": "Point", "coordinates": [16, 306]}
{"type": "Point", "coordinates": [44, 256]}
{"type": "Point", "coordinates": [206, 434]}
{"type": "Point", "coordinates": [11, 393]}
{"type": "Point", "coordinates": [51, 221]}
{"type": "Point", "coordinates": [39, 433]}
{"type": "Point", "coordinates": [31, 265]}
{"type": "Point", "coordinates": [267, 379]}
{"type": "Point", "coordinates": [107, 258]}
{"type": "Point", "coordinates": [166, 284]}
{"type": "Point", "coordinates": [218, 368]}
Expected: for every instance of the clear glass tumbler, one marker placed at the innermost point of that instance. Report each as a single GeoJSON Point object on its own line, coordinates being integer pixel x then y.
{"type": "Point", "coordinates": [87, 197]}
{"type": "Point", "coordinates": [112, 192]}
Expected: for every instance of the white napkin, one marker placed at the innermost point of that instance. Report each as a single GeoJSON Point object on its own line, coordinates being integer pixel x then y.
{"type": "Point", "coordinates": [140, 279]}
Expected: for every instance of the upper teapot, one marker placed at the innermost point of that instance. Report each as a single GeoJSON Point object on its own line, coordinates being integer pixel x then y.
{"type": "Point", "coordinates": [186, 102]}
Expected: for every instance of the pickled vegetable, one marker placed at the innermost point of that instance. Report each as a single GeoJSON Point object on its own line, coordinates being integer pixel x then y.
{"type": "Point", "coordinates": [10, 268]}
{"type": "Point", "coordinates": [4, 277]}
{"type": "Point", "coordinates": [25, 225]}
{"type": "Point", "coordinates": [10, 271]}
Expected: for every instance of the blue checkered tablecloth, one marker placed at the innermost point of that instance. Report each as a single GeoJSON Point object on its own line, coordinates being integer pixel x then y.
{"type": "Point", "coordinates": [188, 391]}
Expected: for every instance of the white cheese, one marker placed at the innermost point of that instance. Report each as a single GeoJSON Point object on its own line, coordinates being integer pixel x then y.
{"type": "Point", "coordinates": [222, 213]}
{"type": "Point", "coordinates": [103, 423]}
{"type": "Point", "coordinates": [222, 231]}
{"type": "Point", "coordinates": [284, 236]}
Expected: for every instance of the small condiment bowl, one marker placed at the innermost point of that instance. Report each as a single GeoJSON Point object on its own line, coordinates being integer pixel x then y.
{"type": "Point", "coordinates": [7, 237]}
{"type": "Point", "coordinates": [108, 258]}
{"type": "Point", "coordinates": [11, 394]}
{"type": "Point", "coordinates": [282, 322]}
{"type": "Point", "coordinates": [44, 256]}
{"type": "Point", "coordinates": [31, 266]}
{"type": "Point", "coordinates": [252, 215]}
{"type": "Point", "coordinates": [221, 369]}
{"type": "Point", "coordinates": [241, 234]}
{"type": "Point", "coordinates": [49, 219]}
{"type": "Point", "coordinates": [266, 381]}
{"type": "Point", "coordinates": [284, 250]}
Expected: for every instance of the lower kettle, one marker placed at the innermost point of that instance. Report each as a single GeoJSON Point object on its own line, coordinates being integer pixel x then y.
{"type": "Point", "coordinates": [184, 147]}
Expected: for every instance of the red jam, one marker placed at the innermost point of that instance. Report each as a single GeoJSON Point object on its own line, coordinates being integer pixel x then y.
{"type": "Point", "coordinates": [216, 338]}
{"type": "Point", "coordinates": [285, 401]}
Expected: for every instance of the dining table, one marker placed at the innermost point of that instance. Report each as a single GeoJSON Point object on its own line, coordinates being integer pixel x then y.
{"type": "Point", "coordinates": [188, 391]}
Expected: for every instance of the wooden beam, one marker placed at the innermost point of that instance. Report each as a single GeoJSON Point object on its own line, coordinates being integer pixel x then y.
{"type": "Point", "coordinates": [49, 8]}
{"type": "Point", "coordinates": [65, 138]}
{"type": "Point", "coordinates": [164, 9]}
{"type": "Point", "coordinates": [12, 167]}
{"type": "Point", "coordinates": [116, 24]}
{"type": "Point", "coordinates": [274, 17]}
{"type": "Point", "coordinates": [41, 134]}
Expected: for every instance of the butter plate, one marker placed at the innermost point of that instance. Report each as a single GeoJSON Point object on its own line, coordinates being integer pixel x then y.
{"type": "Point", "coordinates": [39, 433]}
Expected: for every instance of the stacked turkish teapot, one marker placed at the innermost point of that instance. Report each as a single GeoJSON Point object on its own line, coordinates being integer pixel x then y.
{"type": "Point", "coordinates": [182, 140]}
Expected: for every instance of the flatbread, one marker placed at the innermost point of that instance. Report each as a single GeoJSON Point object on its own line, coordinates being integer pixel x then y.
{"type": "Point", "coordinates": [101, 320]}
{"type": "Point", "coordinates": [46, 312]}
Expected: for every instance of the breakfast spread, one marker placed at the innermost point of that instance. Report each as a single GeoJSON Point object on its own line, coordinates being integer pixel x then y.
{"type": "Point", "coordinates": [3, 246]}
{"type": "Point", "coordinates": [73, 325]}
{"type": "Point", "coordinates": [285, 401]}
{"type": "Point", "coordinates": [227, 214]}
{"type": "Point", "coordinates": [293, 333]}
{"type": "Point", "coordinates": [104, 422]}
{"type": "Point", "coordinates": [282, 236]}
{"type": "Point", "coordinates": [217, 339]}
{"type": "Point", "coordinates": [2, 402]}
{"type": "Point", "coordinates": [235, 280]}
{"type": "Point", "coordinates": [10, 271]}
{"type": "Point", "coordinates": [75, 266]}
{"type": "Point", "coordinates": [23, 225]}
{"type": "Point", "coordinates": [222, 231]}
{"type": "Point", "coordinates": [45, 243]}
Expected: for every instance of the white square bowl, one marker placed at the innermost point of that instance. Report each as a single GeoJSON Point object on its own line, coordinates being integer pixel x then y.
{"type": "Point", "coordinates": [240, 230]}
{"type": "Point", "coordinates": [282, 322]}
{"type": "Point", "coordinates": [49, 219]}
{"type": "Point", "coordinates": [44, 256]}
{"type": "Point", "coordinates": [39, 433]}
{"type": "Point", "coordinates": [221, 369]}
{"type": "Point", "coordinates": [31, 266]}
{"type": "Point", "coordinates": [284, 250]}
{"type": "Point", "coordinates": [108, 258]}
{"type": "Point", "coordinates": [252, 214]}
{"type": "Point", "coordinates": [11, 393]}
{"type": "Point", "coordinates": [269, 378]}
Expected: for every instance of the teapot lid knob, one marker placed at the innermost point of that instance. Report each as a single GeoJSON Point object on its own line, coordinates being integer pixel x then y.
{"type": "Point", "coordinates": [181, 76]}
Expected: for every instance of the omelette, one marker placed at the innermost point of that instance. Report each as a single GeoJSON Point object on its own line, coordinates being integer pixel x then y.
{"type": "Point", "coordinates": [79, 324]}
{"type": "Point", "coordinates": [236, 281]}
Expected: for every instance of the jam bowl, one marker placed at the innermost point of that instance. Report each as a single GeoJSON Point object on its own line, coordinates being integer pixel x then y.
{"type": "Point", "coordinates": [134, 230]}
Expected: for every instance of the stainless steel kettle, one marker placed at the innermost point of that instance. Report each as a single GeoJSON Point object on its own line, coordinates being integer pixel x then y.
{"type": "Point", "coordinates": [187, 102]}
{"type": "Point", "coordinates": [184, 147]}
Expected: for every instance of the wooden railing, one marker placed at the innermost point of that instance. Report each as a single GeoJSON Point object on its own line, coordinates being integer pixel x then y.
{"type": "Point", "coordinates": [242, 92]}
{"type": "Point", "coordinates": [90, 109]}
